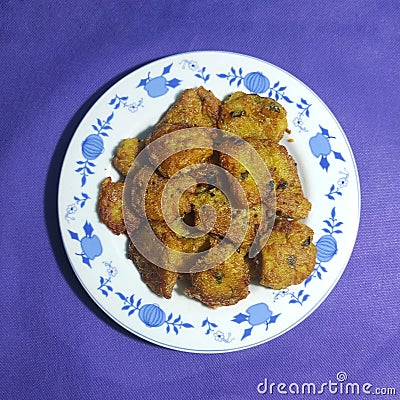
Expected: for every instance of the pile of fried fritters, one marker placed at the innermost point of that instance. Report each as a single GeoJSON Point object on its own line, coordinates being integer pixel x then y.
{"type": "Point", "coordinates": [289, 255]}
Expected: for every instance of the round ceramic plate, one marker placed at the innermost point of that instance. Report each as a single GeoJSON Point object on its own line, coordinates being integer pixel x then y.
{"type": "Point", "coordinates": [131, 108]}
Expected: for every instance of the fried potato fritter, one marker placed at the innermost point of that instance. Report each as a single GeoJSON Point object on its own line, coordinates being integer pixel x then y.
{"type": "Point", "coordinates": [250, 115]}
{"type": "Point", "coordinates": [182, 159]}
{"type": "Point", "coordinates": [290, 200]}
{"type": "Point", "coordinates": [289, 255]}
{"type": "Point", "coordinates": [172, 251]}
{"type": "Point", "coordinates": [194, 108]}
{"type": "Point", "coordinates": [110, 205]}
{"type": "Point", "coordinates": [222, 285]}
{"type": "Point", "coordinates": [219, 205]}
{"type": "Point", "coordinates": [225, 217]}
{"type": "Point", "coordinates": [161, 281]}
{"type": "Point", "coordinates": [126, 152]}
{"type": "Point", "coordinates": [154, 188]}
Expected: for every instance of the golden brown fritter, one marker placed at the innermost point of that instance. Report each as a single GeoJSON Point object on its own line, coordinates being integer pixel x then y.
{"type": "Point", "coordinates": [290, 200]}
{"type": "Point", "coordinates": [194, 108]}
{"type": "Point", "coordinates": [219, 204]}
{"type": "Point", "coordinates": [250, 115]}
{"type": "Point", "coordinates": [177, 241]}
{"type": "Point", "coordinates": [159, 280]}
{"type": "Point", "coordinates": [162, 129]}
{"type": "Point", "coordinates": [181, 159]}
{"type": "Point", "coordinates": [111, 210]}
{"type": "Point", "coordinates": [154, 190]}
{"type": "Point", "coordinates": [193, 246]}
{"type": "Point", "coordinates": [126, 152]}
{"type": "Point", "coordinates": [110, 205]}
{"type": "Point", "coordinates": [222, 285]}
{"type": "Point", "coordinates": [162, 280]}
{"type": "Point", "coordinates": [289, 255]}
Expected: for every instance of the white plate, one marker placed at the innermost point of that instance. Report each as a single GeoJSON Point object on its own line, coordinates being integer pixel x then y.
{"type": "Point", "coordinates": [130, 108]}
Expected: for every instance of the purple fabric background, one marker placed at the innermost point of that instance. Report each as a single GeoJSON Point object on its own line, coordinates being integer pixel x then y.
{"type": "Point", "coordinates": [56, 59]}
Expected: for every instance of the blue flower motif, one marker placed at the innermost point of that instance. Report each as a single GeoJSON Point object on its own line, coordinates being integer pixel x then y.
{"type": "Point", "coordinates": [111, 270]}
{"type": "Point", "coordinates": [321, 147]}
{"type": "Point", "coordinates": [73, 207]}
{"type": "Point", "coordinates": [90, 244]}
{"type": "Point", "coordinates": [298, 298]}
{"type": "Point", "coordinates": [190, 64]}
{"type": "Point", "coordinates": [201, 73]}
{"type": "Point", "coordinates": [92, 147]}
{"type": "Point", "coordinates": [278, 92]}
{"type": "Point", "coordinates": [341, 183]}
{"type": "Point", "coordinates": [304, 106]}
{"type": "Point", "coordinates": [105, 287]}
{"type": "Point", "coordinates": [210, 326]}
{"type": "Point", "coordinates": [158, 86]}
{"type": "Point", "coordinates": [333, 191]}
{"type": "Point", "coordinates": [233, 76]}
{"type": "Point", "coordinates": [116, 102]}
{"type": "Point", "coordinates": [299, 123]}
{"type": "Point", "coordinates": [219, 336]}
{"type": "Point", "coordinates": [152, 315]}
{"type": "Point", "coordinates": [257, 314]}
{"type": "Point", "coordinates": [256, 82]}
{"type": "Point", "coordinates": [326, 246]}
{"type": "Point", "coordinates": [343, 180]}
{"type": "Point", "coordinates": [194, 66]}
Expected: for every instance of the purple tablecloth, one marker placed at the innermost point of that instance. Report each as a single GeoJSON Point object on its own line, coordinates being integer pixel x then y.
{"type": "Point", "coordinates": [56, 59]}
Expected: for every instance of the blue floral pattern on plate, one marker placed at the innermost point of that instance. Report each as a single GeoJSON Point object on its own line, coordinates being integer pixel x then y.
{"type": "Point", "coordinates": [72, 208]}
{"type": "Point", "coordinates": [257, 314]}
{"type": "Point", "coordinates": [129, 108]}
{"type": "Point", "coordinates": [199, 72]}
{"type": "Point", "coordinates": [159, 85]}
{"type": "Point", "coordinates": [105, 282]}
{"type": "Point", "coordinates": [132, 106]}
{"type": "Point", "coordinates": [320, 146]}
{"type": "Point", "coordinates": [217, 334]}
{"type": "Point", "coordinates": [92, 147]}
{"type": "Point", "coordinates": [341, 183]}
{"type": "Point", "coordinates": [152, 315]}
{"type": "Point", "coordinates": [90, 244]}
